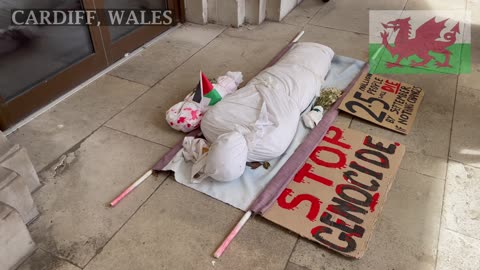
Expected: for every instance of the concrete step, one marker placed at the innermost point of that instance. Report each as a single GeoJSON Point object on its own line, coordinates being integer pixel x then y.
{"type": "Point", "coordinates": [15, 193]}
{"type": "Point", "coordinates": [16, 244]}
{"type": "Point", "coordinates": [14, 157]}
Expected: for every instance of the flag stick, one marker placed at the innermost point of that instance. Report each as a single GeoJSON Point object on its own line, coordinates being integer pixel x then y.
{"type": "Point", "coordinates": [232, 235]}
{"type": "Point", "coordinates": [131, 188]}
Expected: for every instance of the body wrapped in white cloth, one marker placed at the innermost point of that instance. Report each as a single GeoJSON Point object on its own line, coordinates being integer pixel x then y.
{"type": "Point", "coordinates": [265, 113]}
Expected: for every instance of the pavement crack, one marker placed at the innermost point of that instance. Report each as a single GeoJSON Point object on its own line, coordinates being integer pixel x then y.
{"type": "Point", "coordinates": [59, 166]}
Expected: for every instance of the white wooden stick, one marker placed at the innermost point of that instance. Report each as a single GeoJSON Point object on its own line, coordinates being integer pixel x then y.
{"type": "Point", "coordinates": [297, 38]}
{"type": "Point", "coordinates": [131, 188]}
{"type": "Point", "coordinates": [232, 235]}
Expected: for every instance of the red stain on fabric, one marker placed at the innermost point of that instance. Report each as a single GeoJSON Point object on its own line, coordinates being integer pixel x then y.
{"type": "Point", "coordinates": [181, 120]}
{"type": "Point", "coordinates": [194, 114]}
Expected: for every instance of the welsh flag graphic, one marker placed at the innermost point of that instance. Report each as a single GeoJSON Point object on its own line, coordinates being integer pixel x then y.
{"type": "Point", "coordinates": [420, 41]}
{"type": "Point", "coordinates": [205, 93]}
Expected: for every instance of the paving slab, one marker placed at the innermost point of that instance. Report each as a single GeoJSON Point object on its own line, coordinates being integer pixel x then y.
{"type": "Point", "coordinates": [352, 15]}
{"type": "Point", "coordinates": [165, 55]}
{"type": "Point", "coordinates": [343, 120]}
{"type": "Point", "coordinates": [303, 13]}
{"type": "Point", "coordinates": [54, 132]}
{"type": "Point", "coordinates": [430, 134]}
{"type": "Point", "coordinates": [457, 252]}
{"type": "Point", "coordinates": [292, 266]}
{"type": "Point", "coordinates": [472, 79]}
{"type": "Point", "coordinates": [245, 49]}
{"type": "Point", "coordinates": [179, 228]}
{"type": "Point", "coordinates": [465, 144]}
{"type": "Point", "coordinates": [461, 208]}
{"type": "Point", "coordinates": [75, 221]}
{"type": "Point", "coordinates": [436, 4]}
{"type": "Point", "coordinates": [344, 43]}
{"type": "Point", "coordinates": [268, 31]}
{"type": "Point", "coordinates": [405, 237]}
{"type": "Point", "coordinates": [426, 165]}
{"type": "Point", "coordinates": [41, 260]}
{"type": "Point", "coordinates": [145, 118]}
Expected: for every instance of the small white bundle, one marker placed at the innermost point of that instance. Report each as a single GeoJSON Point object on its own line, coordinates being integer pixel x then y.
{"type": "Point", "coordinates": [313, 117]}
{"type": "Point", "coordinates": [228, 83]}
{"type": "Point", "coordinates": [194, 148]}
{"type": "Point", "coordinates": [184, 116]}
{"type": "Point", "coordinates": [226, 159]}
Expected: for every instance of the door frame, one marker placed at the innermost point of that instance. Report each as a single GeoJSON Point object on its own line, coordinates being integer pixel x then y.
{"type": "Point", "coordinates": [138, 37]}
{"type": "Point", "coordinates": [105, 54]}
{"type": "Point", "coordinates": [39, 95]}
{"type": "Point", "coordinates": [131, 41]}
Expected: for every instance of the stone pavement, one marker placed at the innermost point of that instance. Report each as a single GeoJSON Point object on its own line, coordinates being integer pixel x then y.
{"type": "Point", "coordinates": [92, 145]}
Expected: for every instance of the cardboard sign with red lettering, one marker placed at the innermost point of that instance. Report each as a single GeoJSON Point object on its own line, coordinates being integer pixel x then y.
{"type": "Point", "coordinates": [385, 102]}
{"type": "Point", "coordinates": [337, 196]}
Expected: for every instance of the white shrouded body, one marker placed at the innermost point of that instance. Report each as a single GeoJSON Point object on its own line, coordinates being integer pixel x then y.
{"type": "Point", "coordinates": [267, 110]}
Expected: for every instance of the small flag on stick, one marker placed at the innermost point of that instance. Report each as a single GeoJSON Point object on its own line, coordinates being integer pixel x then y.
{"type": "Point", "coordinates": [205, 93]}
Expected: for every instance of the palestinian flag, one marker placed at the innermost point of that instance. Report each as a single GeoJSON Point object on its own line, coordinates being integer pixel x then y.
{"type": "Point", "coordinates": [205, 93]}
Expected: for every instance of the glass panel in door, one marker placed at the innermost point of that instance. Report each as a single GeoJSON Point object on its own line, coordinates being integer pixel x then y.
{"type": "Point", "coordinates": [117, 32]}
{"type": "Point", "coordinates": [32, 54]}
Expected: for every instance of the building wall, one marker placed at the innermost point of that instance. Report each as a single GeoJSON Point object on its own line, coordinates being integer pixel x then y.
{"type": "Point", "coordinates": [196, 11]}
{"type": "Point", "coordinates": [237, 12]}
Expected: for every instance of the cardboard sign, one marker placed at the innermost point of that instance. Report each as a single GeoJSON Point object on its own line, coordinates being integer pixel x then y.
{"type": "Point", "coordinates": [337, 196]}
{"type": "Point", "coordinates": [385, 102]}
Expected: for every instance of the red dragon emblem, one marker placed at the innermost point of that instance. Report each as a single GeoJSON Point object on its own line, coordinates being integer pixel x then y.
{"type": "Point", "coordinates": [425, 41]}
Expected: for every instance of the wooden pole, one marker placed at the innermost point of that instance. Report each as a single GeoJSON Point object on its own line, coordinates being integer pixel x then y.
{"type": "Point", "coordinates": [232, 235]}
{"type": "Point", "coordinates": [131, 188]}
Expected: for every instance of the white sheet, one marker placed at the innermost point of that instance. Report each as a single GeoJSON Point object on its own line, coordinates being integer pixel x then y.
{"type": "Point", "coordinates": [242, 192]}
{"type": "Point", "coordinates": [267, 110]}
